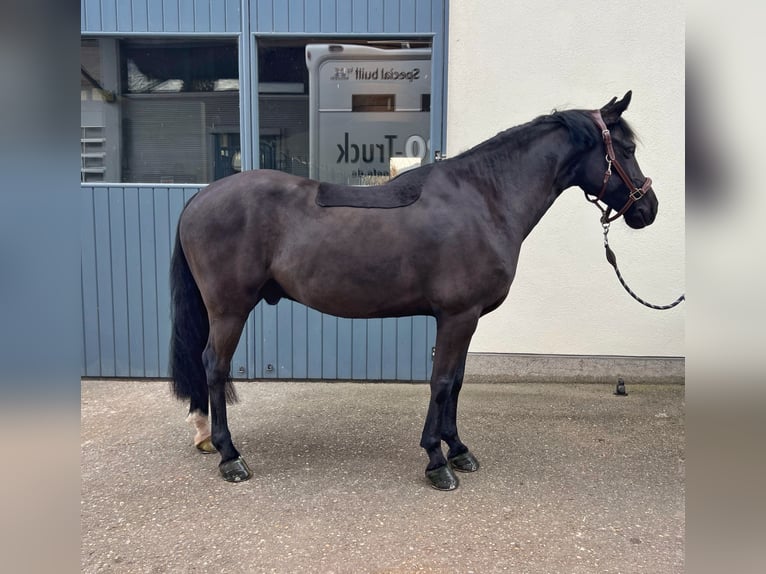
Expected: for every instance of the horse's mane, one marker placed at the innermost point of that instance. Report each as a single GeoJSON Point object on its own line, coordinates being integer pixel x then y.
{"type": "Point", "coordinates": [583, 132]}
{"type": "Point", "coordinates": [486, 160]}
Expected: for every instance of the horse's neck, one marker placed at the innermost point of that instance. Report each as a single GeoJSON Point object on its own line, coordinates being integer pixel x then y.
{"type": "Point", "coordinates": [529, 178]}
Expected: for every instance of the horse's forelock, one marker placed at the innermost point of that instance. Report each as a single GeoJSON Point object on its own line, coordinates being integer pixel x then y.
{"type": "Point", "coordinates": [583, 132]}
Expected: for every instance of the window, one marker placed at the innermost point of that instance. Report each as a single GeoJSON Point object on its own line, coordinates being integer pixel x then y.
{"type": "Point", "coordinates": [159, 111]}
{"type": "Point", "coordinates": [341, 110]}
{"type": "Point", "coordinates": [166, 110]}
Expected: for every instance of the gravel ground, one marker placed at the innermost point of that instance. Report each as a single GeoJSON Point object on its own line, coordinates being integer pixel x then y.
{"type": "Point", "coordinates": [574, 480]}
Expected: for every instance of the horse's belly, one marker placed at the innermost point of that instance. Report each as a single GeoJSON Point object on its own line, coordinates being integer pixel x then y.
{"type": "Point", "coordinates": [384, 263]}
{"type": "Point", "coordinates": [352, 288]}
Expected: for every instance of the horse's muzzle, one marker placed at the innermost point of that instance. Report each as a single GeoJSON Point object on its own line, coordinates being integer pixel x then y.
{"type": "Point", "coordinates": [642, 212]}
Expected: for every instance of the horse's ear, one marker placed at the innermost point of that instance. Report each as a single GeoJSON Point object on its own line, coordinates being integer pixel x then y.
{"type": "Point", "coordinates": [612, 111]}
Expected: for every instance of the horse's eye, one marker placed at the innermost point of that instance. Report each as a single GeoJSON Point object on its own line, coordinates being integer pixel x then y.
{"type": "Point", "coordinates": [629, 151]}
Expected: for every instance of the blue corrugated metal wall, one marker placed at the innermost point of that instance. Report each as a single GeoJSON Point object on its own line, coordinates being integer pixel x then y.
{"type": "Point", "coordinates": [162, 16]}
{"type": "Point", "coordinates": [128, 229]}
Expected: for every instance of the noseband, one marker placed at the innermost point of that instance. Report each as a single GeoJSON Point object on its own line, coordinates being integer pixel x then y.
{"type": "Point", "coordinates": [611, 160]}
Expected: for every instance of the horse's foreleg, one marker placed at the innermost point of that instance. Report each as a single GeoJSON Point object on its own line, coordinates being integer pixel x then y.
{"type": "Point", "coordinates": [459, 457]}
{"type": "Point", "coordinates": [453, 336]}
{"type": "Point", "coordinates": [224, 335]}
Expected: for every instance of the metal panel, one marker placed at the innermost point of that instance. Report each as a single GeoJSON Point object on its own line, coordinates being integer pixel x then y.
{"type": "Point", "coordinates": [160, 16]}
{"type": "Point", "coordinates": [124, 17]}
{"type": "Point", "coordinates": [119, 270]}
{"type": "Point", "coordinates": [233, 21]}
{"type": "Point", "coordinates": [202, 15]}
{"type": "Point", "coordinates": [375, 17]}
{"type": "Point", "coordinates": [109, 18]}
{"type": "Point", "coordinates": [263, 14]}
{"type": "Point", "coordinates": [407, 16]}
{"type": "Point", "coordinates": [127, 239]}
{"type": "Point", "coordinates": [154, 17]}
{"type": "Point", "coordinates": [104, 282]}
{"type": "Point", "coordinates": [170, 16]}
{"type": "Point", "coordinates": [343, 17]}
{"type": "Point", "coordinates": [91, 347]}
{"type": "Point", "coordinates": [423, 16]}
{"type": "Point", "coordinates": [140, 16]}
{"type": "Point", "coordinates": [133, 283]}
{"type": "Point", "coordinates": [296, 21]}
{"type": "Point", "coordinates": [91, 13]}
{"type": "Point", "coordinates": [186, 21]}
{"type": "Point", "coordinates": [374, 346]}
{"type": "Point", "coordinates": [359, 21]}
{"type": "Point", "coordinates": [127, 235]}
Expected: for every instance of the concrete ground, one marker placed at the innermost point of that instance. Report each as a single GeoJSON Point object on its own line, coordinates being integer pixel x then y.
{"type": "Point", "coordinates": [574, 480]}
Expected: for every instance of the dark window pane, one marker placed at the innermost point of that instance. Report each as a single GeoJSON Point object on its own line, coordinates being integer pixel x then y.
{"type": "Point", "coordinates": [159, 111]}
{"type": "Point", "coordinates": [179, 66]}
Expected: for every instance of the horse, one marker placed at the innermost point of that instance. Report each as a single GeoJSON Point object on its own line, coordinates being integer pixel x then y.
{"type": "Point", "coordinates": [447, 247]}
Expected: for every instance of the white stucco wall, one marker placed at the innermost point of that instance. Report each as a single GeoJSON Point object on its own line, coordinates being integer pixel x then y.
{"type": "Point", "coordinates": [512, 61]}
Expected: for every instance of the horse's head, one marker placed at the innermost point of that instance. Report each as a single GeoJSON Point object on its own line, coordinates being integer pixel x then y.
{"type": "Point", "coordinates": [627, 191]}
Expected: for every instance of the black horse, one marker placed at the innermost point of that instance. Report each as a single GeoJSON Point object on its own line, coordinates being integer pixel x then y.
{"type": "Point", "coordinates": [450, 252]}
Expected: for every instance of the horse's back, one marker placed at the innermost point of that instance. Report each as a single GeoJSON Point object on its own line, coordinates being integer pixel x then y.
{"type": "Point", "coordinates": [256, 186]}
{"type": "Point", "coordinates": [249, 198]}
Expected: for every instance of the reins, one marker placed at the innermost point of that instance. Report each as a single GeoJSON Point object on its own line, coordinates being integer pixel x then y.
{"type": "Point", "coordinates": [635, 194]}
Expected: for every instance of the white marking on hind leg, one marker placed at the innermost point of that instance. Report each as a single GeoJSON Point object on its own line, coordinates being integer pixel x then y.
{"type": "Point", "coordinates": [201, 425]}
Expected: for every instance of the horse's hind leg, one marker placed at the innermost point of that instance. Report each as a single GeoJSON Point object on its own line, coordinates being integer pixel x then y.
{"type": "Point", "coordinates": [222, 342]}
{"type": "Point", "coordinates": [453, 336]}
{"type": "Point", "coordinates": [198, 418]}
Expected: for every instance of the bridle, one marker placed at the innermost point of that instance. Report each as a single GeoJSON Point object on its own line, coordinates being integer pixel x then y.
{"type": "Point", "coordinates": [635, 194]}
{"type": "Point", "coordinates": [611, 160]}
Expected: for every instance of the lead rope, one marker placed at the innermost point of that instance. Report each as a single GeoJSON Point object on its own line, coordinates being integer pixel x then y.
{"type": "Point", "coordinates": [612, 259]}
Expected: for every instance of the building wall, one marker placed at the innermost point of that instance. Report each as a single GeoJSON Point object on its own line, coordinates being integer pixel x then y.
{"type": "Point", "coordinates": [128, 228]}
{"type": "Point", "coordinates": [512, 61]}
{"type": "Point", "coordinates": [507, 63]}
{"type": "Point", "coordinates": [127, 237]}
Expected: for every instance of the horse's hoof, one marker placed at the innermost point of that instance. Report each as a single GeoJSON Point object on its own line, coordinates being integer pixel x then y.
{"type": "Point", "coordinates": [442, 478]}
{"type": "Point", "coordinates": [235, 470]}
{"type": "Point", "coordinates": [465, 462]}
{"type": "Point", "coordinates": [206, 446]}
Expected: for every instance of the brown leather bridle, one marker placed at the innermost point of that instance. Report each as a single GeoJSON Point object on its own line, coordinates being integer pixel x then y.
{"type": "Point", "coordinates": [611, 160]}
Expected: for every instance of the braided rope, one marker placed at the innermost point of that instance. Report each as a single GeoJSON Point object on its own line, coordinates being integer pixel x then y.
{"type": "Point", "coordinates": [612, 259]}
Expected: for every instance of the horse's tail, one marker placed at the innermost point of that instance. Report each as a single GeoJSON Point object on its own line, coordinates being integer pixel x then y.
{"type": "Point", "coordinates": [189, 331]}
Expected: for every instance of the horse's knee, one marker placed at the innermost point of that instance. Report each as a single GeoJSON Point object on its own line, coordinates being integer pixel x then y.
{"type": "Point", "coordinates": [441, 390]}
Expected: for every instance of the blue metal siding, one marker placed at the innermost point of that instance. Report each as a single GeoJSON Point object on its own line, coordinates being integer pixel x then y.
{"type": "Point", "coordinates": [161, 16]}
{"type": "Point", "coordinates": [127, 239]}
{"type": "Point", "coordinates": [128, 230]}
{"type": "Point", "coordinates": [347, 16]}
